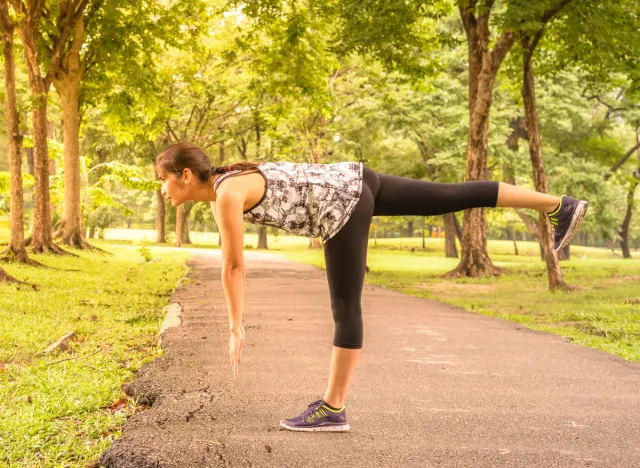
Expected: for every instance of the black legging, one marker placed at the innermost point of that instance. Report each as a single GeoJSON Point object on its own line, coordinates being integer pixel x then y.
{"type": "Point", "coordinates": [385, 195]}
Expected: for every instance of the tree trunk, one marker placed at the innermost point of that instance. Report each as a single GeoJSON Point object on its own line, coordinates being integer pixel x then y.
{"type": "Point", "coordinates": [30, 163]}
{"type": "Point", "coordinates": [450, 248]}
{"type": "Point", "coordinates": [515, 244]}
{"type": "Point", "coordinates": [624, 228]}
{"type": "Point", "coordinates": [186, 211]}
{"type": "Point", "coordinates": [179, 221]}
{"type": "Point", "coordinates": [187, 230]}
{"type": "Point", "coordinates": [160, 215]}
{"type": "Point", "coordinates": [41, 236]}
{"type": "Point", "coordinates": [92, 232]}
{"type": "Point", "coordinates": [539, 176]}
{"type": "Point", "coordinates": [484, 64]}
{"type": "Point", "coordinates": [565, 254]}
{"type": "Point", "coordinates": [410, 229]}
{"type": "Point", "coordinates": [68, 86]}
{"type": "Point", "coordinates": [258, 135]}
{"type": "Point", "coordinates": [16, 250]}
{"type": "Point", "coordinates": [456, 224]}
{"type": "Point", "coordinates": [262, 237]}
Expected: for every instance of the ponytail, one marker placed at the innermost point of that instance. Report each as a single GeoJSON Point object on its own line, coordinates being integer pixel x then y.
{"type": "Point", "coordinates": [241, 166]}
{"type": "Point", "coordinates": [185, 155]}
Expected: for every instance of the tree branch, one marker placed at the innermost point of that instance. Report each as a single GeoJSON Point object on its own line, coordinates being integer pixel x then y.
{"type": "Point", "coordinates": [500, 50]}
{"type": "Point", "coordinates": [622, 160]}
{"type": "Point", "coordinates": [546, 16]}
{"type": "Point", "coordinates": [186, 127]}
{"type": "Point", "coordinates": [69, 19]}
{"type": "Point", "coordinates": [173, 134]}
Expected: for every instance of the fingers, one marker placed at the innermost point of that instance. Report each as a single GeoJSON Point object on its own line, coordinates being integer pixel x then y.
{"type": "Point", "coordinates": [235, 355]}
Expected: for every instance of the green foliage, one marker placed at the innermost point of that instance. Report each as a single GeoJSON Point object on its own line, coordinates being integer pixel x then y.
{"type": "Point", "coordinates": [5, 188]}
{"type": "Point", "coordinates": [127, 175]}
{"type": "Point", "coordinates": [144, 251]}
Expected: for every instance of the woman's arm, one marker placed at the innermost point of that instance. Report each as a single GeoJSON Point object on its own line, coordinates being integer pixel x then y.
{"type": "Point", "coordinates": [228, 210]}
{"type": "Point", "coordinates": [229, 205]}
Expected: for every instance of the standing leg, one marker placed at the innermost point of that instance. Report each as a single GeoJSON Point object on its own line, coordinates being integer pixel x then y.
{"type": "Point", "coordinates": [346, 256]}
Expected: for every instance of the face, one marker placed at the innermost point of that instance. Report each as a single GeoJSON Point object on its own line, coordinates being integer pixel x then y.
{"type": "Point", "coordinates": [175, 188]}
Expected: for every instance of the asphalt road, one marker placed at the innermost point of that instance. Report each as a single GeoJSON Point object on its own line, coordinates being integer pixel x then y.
{"type": "Point", "coordinates": [436, 386]}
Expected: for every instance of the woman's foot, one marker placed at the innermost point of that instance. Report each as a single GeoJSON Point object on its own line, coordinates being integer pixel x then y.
{"type": "Point", "coordinates": [566, 220]}
{"type": "Point", "coordinates": [318, 417]}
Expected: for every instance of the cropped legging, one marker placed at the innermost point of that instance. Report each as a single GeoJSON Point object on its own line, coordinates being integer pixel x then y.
{"type": "Point", "coordinates": [385, 195]}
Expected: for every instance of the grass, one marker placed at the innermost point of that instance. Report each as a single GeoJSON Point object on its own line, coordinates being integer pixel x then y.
{"type": "Point", "coordinates": [603, 312]}
{"type": "Point", "coordinates": [57, 414]}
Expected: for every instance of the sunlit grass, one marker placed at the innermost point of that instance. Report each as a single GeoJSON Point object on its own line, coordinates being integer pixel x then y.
{"type": "Point", "coordinates": [55, 414]}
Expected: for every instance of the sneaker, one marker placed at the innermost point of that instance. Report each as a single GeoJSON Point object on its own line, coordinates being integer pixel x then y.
{"type": "Point", "coordinates": [566, 220]}
{"type": "Point", "coordinates": [318, 417]}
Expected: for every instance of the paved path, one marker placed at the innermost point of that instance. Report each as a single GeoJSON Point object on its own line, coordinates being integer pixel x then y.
{"type": "Point", "coordinates": [436, 386]}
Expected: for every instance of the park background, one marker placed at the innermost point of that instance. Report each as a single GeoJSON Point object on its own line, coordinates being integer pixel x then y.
{"type": "Point", "coordinates": [543, 95]}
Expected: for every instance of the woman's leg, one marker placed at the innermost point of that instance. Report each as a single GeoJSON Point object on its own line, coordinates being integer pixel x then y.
{"type": "Point", "coordinates": [400, 196]}
{"type": "Point", "coordinates": [512, 196]}
{"type": "Point", "coordinates": [346, 258]}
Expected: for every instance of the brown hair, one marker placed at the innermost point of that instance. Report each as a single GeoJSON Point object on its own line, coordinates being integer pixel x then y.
{"type": "Point", "coordinates": [179, 156]}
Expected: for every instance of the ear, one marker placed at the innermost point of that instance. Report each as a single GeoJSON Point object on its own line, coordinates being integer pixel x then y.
{"type": "Point", "coordinates": [187, 175]}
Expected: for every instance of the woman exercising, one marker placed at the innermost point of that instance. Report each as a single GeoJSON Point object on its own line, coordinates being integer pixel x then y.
{"type": "Point", "coordinates": [335, 202]}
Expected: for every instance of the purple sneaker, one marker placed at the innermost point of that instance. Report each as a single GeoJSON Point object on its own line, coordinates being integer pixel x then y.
{"type": "Point", "coordinates": [566, 220]}
{"type": "Point", "coordinates": [318, 417]}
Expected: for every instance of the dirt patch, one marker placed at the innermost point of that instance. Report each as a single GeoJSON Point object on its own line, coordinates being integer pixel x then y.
{"type": "Point", "coordinates": [445, 286]}
{"type": "Point", "coordinates": [615, 279]}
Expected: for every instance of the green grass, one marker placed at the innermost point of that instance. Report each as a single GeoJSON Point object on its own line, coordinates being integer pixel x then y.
{"type": "Point", "coordinates": [603, 312]}
{"type": "Point", "coordinates": [57, 415]}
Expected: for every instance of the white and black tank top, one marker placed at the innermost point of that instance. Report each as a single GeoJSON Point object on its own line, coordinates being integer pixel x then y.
{"type": "Point", "coordinates": [311, 200]}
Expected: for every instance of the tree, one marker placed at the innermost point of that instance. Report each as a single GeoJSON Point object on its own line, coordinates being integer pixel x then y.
{"type": "Point", "coordinates": [529, 39]}
{"type": "Point", "coordinates": [16, 250]}
{"type": "Point", "coordinates": [484, 63]}
{"type": "Point", "coordinates": [111, 39]}
{"type": "Point", "coordinates": [33, 35]}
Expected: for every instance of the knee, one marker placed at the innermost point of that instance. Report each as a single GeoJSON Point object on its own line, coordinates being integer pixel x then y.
{"type": "Point", "coordinates": [347, 317]}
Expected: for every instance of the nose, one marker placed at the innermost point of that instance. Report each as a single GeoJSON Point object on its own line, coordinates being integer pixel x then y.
{"type": "Point", "coordinates": [163, 192]}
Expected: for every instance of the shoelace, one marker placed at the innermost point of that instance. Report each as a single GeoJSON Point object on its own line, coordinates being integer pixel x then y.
{"type": "Point", "coordinates": [311, 409]}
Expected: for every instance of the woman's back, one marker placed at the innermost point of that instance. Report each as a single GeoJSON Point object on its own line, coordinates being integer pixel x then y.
{"type": "Point", "coordinates": [307, 199]}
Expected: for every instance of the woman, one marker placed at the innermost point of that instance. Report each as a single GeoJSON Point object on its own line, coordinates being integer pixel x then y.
{"type": "Point", "coordinates": [335, 202]}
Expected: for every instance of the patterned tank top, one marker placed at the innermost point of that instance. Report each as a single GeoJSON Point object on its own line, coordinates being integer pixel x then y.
{"type": "Point", "coordinates": [311, 200]}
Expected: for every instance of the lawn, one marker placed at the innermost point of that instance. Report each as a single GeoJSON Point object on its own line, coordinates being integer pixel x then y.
{"type": "Point", "coordinates": [56, 412]}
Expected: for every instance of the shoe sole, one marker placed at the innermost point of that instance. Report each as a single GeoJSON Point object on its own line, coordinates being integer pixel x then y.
{"type": "Point", "coordinates": [576, 221]}
{"type": "Point", "coordinates": [341, 428]}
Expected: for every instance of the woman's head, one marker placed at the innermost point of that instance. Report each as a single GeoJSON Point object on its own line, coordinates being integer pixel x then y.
{"type": "Point", "coordinates": [184, 169]}
{"type": "Point", "coordinates": [181, 168]}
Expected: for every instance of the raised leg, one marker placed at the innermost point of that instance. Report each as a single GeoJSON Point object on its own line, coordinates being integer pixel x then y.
{"type": "Point", "coordinates": [401, 196]}
{"type": "Point", "coordinates": [512, 196]}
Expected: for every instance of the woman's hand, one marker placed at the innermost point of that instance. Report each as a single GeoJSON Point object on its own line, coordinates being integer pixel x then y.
{"type": "Point", "coordinates": [236, 343]}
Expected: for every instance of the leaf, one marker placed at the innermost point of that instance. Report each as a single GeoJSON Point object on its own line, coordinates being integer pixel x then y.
{"type": "Point", "coordinates": [119, 404]}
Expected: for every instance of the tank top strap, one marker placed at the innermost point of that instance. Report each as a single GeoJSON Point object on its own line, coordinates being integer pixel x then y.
{"type": "Point", "coordinates": [224, 176]}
